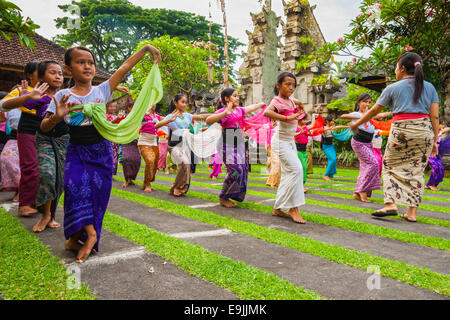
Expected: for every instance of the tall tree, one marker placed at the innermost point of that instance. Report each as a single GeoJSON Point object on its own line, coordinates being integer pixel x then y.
{"type": "Point", "coordinates": [226, 82]}
{"type": "Point", "coordinates": [13, 23]}
{"type": "Point", "coordinates": [184, 67]}
{"type": "Point", "coordinates": [113, 28]}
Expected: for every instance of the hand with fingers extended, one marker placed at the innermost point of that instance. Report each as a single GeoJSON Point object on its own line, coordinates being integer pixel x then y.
{"type": "Point", "coordinates": [38, 91]}
{"type": "Point", "coordinates": [62, 106]}
{"type": "Point", "coordinates": [175, 115]}
{"type": "Point", "coordinates": [123, 90]}
{"type": "Point", "coordinates": [23, 88]}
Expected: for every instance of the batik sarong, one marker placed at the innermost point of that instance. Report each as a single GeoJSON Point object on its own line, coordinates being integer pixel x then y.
{"type": "Point", "coordinates": [275, 171]}
{"type": "Point", "coordinates": [369, 177]}
{"type": "Point", "coordinates": [183, 178]}
{"type": "Point", "coordinates": [10, 167]}
{"type": "Point", "coordinates": [379, 156]}
{"type": "Point", "coordinates": [162, 146]}
{"type": "Point", "coordinates": [87, 187]}
{"type": "Point", "coordinates": [115, 153]}
{"type": "Point", "coordinates": [330, 153]}
{"type": "Point", "coordinates": [131, 160]}
{"type": "Point", "coordinates": [303, 157]}
{"type": "Point", "coordinates": [217, 165]}
{"type": "Point", "coordinates": [51, 153]}
{"type": "Point", "coordinates": [310, 169]}
{"type": "Point", "coordinates": [29, 179]}
{"type": "Point", "coordinates": [408, 148]}
{"type": "Point", "coordinates": [235, 184]}
{"type": "Point", "coordinates": [150, 154]}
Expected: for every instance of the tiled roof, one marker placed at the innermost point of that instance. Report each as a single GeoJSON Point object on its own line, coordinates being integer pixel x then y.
{"type": "Point", "coordinates": [13, 55]}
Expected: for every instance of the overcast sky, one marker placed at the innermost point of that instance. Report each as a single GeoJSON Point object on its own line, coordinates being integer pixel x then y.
{"type": "Point", "coordinates": [333, 16]}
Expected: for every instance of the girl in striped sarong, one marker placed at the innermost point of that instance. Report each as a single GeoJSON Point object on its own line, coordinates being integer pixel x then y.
{"type": "Point", "coordinates": [369, 176]}
{"type": "Point", "coordinates": [231, 118]}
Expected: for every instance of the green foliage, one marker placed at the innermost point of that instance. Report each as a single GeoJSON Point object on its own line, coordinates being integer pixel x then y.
{"type": "Point", "coordinates": [347, 104]}
{"type": "Point", "coordinates": [184, 66]}
{"type": "Point", "coordinates": [389, 28]}
{"type": "Point", "coordinates": [28, 270]}
{"type": "Point", "coordinates": [113, 28]}
{"type": "Point", "coordinates": [307, 40]}
{"type": "Point", "coordinates": [13, 23]}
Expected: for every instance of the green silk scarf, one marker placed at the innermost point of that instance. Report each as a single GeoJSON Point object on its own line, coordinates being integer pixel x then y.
{"type": "Point", "coordinates": [128, 129]}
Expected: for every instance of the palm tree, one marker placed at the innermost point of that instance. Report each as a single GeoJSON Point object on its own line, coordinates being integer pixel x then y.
{"type": "Point", "coordinates": [227, 66]}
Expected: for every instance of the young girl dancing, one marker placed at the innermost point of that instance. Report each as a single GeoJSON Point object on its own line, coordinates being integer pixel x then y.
{"type": "Point", "coordinates": [9, 158]}
{"type": "Point", "coordinates": [413, 136]}
{"type": "Point", "coordinates": [28, 125]}
{"type": "Point", "coordinates": [328, 147]}
{"type": "Point", "coordinates": [182, 121]}
{"type": "Point", "coordinates": [148, 145]}
{"type": "Point", "coordinates": [369, 177]}
{"type": "Point", "coordinates": [301, 141]}
{"type": "Point", "coordinates": [290, 193]}
{"type": "Point", "coordinates": [231, 117]}
{"type": "Point", "coordinates": [89, 163]}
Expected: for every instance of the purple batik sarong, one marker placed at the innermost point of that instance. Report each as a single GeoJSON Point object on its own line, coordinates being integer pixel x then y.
{"type": "Point", "coordinates": [235, 184]}
{"type": "Point", "coordinates": [87, 187]}
{"type": "Point", "coordinates": [115, 154]}
{"type": "Point", "coordinates": [131, 160]}
{"type": "Point", "coordinates": [369, 176]}
{"type": "Point", "coordinates": [437, 167]}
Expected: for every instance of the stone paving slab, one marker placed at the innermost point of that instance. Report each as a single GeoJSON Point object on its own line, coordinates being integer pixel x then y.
{"type": "Point", "coordinates": [333, 280]}
{"type": "Point", "coordinates": [434, 259]}
{"type": "Point", "coordinates": [121, 269]}
{"type": "Point", "coordinates": [420, 228]}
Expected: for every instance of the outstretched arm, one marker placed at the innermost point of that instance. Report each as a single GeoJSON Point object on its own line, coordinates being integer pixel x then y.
{"type": "Point", "coordinates": [376, 109]}
{"type": "Point", "coordinates": [270, 113]}
{"type": "Point", "coordinates": [117, 77]}
{"type": "Point", "coordinates": [19, 101]}
{"type": "Point", "coordinates": [254, 107]}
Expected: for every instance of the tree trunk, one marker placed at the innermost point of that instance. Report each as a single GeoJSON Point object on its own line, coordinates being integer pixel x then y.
{"type": "Point", "coordinates": [227, 66]}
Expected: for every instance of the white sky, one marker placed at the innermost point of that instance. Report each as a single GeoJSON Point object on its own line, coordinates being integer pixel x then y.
{"type": "Point", "coordinates": [333, 16]}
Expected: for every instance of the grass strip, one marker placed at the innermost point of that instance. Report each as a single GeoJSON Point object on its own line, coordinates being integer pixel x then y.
{"type": "Point", "coordinates": [418, 276]}
{"type": "Point", "coordinates": [345, 207]}
{"type": "Point", "coordinates": [323, 184]}
{"type": "Point", "coordinates": [358, 226]}
{"type": "Point", "coordinates": [423, 206]}
{"type": "Point", "coordinates": [28, 271]}
{"type": "Point", "coordinates": [245, 281]}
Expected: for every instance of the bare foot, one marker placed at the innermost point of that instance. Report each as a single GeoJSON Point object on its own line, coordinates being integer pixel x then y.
{"type": "Point", "coordinates": [327, 178]}
{"type": "Point", "coordinates": [167, 172]}
{"type": "Point", "coordinates": [356, 196]}
{"type": "Point", "coordinates": [27, 211]}
{"type": "Point", "coordinates": [279, 213]}
{"type": "Point", "coordinates": [53, 224]}
{"type": "Point", "coordinates": [176, 193]}
{"type": "Point", "coordinates": [42, 224]}
{"type": "Point", "coordinates": [434, 188]}
{"type": "Point", "coordinates": [305, 190]}
{"type": "Point", "coordinates": [296, 216]}
{"type": "Point", "coordinates": [227, 203]}
{"type": "Point", "coordinates": [125, 184]}
{"type": "Point", "coordinates": [214, 178]}
{"type": "Point", "coordinates": [427, 187]}
{"type": "Point", "coordinates": [87, 249]}
{"type": "Point", "coordinates": [16, 197]}
{"type": "Point", "coordinates": [72, 245]}
{"type": "Point", "coordinates": [148, 189]}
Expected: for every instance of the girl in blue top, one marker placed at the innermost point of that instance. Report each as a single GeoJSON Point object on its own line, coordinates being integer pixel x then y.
{"type": "Point", "coordinates": [89, 163]}
{"type": "Point", "coordinates": [413, 136]}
